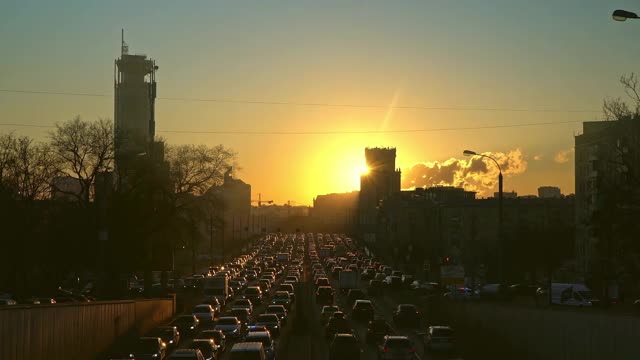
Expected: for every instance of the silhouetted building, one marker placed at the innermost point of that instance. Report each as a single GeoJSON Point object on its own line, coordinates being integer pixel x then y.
{"type": "Point", "coordinates": [382, 181]}
{"type": "Point", "coordinates": [607, 169]}
{"type": "Point", "coordinates": [134, 108]}
{"type": "Point", "coordinates": [236, 197]}
{"type": "Point", "coordinates": [447, 193]}
{"type": "Point", "coordinates": [549, 192]}
{"type": "Point", "coordinates": [506, 195]}
{"type": "Point", "coordinates": [335, 213]}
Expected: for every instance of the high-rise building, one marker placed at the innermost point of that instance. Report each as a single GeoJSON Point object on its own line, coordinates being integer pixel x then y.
{"type": "Point", "coordinates": [607, 165]}
{"type": "Point", "coordinates": [134, 110]}
{"type": "Point", "coordinates": [381, 181]}
{"type": "Point", "coordinates": [549, 192]}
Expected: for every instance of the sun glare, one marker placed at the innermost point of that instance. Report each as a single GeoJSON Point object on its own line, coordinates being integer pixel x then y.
{"type": "Point", "coordinates": [363, 169]}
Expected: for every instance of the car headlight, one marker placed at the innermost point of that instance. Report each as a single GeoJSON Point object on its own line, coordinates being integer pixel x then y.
{"type": "Point", "coordinates": [170, 341]}
{"type": "Point", "coordinates": [154, 355]}
{"type": "Point", "coordinates": [131, 356]}
{"type": "Point", "coordinates": [191, 328]}
{"type": "Point", "coordinates": [275, 326]}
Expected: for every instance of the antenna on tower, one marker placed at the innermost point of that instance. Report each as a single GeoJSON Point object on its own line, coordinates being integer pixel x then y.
{"type": "Point", "coordinates": [124, 48]}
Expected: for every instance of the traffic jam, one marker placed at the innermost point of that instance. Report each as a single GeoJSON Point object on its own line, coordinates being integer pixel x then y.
{"type": "Point", "coordinates": [246, 308]}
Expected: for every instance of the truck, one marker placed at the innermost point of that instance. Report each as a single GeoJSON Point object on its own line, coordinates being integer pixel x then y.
{"type": "Point", "coordinates": [348, 279]}
{"type": "Point", "coordinates": [216, 287]}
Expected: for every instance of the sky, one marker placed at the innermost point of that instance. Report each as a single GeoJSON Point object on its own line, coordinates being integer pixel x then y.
{"type": "Point", "coordinates": [472, 73]}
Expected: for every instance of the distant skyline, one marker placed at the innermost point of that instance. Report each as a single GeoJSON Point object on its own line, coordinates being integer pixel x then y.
{"type": "Point", "coordinates": [482, 56]}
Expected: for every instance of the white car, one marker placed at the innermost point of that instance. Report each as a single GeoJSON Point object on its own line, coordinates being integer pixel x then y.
{"type": "Point", "coordinates": [204, 312]}
{"type": "Point", "coordinates": [230, 326]}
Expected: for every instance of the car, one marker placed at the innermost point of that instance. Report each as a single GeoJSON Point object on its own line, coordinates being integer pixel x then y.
{"type": "Point", "coordinates": [243, 304]}
{"type": "Point", "coordinates": [406, 315]}
{"type": "Point", "coordinates": [288, 288]}
{"type": "Point", "coordinates": [335, 272]}
{"type": "Point", "coordinates": [363, 310]}
{"type": "Point", "coordinates": [187, 324]}
{"type": "Point", "coordinates": [355, 294]}
{"type": "Point", "coordinates": [278, 310]}
{"type": "Point", "coordinates": [10, 302]}
{"type": "Point", "coordinates": [380, 276]}
{"type": "Point", "coordinates": [204, 313]}
{"type": "Point", "coordinates": [281, 298]}
{"type": "Point", "coordinates": [377, 329]}
{"type": "Point", "coordinates": [265, 286]}
{"type": "Point", "coordinates": [322, 281]}
{"type": "Point", "coordinates": [324, 295]}
{"type": "Point", "coordinates": [149, 348]}
{"type": "Point", "coordinates": [248, 351]}
{"type": "Point", "coordinates": [394, 282]}
{"type": "Point", "coordinates": [376, 287]}
{"type": "Point", "coordinates": [168, 334]}
{"type": "Point", "coordinates": [208, 348]}
{"type": "Point", "coordinates": [396, 348]}
{"type": "Point", "coordinates": [252, 328]}
{"type": "Point", "coordinates": [230, 326]}
{"type": "Point", "coordinates": [368, 274]}
{"type": "Point", "coordinates": [253, 293]}
{"type": "Point", "coordinates": [344, 347]}
{"type": "Point", "coordinates": [406, 280]}
{"type": "Point", "coordinates": [337, 324]}
{"type": "Point", "coordinates": [439, 338]}
{"type": "Point", "coordinates": [326, 313]}
{"type": "Point", "coordinates": [217, 336]}
{"type": "Point", "coordinates": [267, 342]}
{"type": "Point", "coordinates": [271, 321]}
{"type": "Point", "coordinates": [242, 314]}
{"type": "Point", "coordinates": [397, 273]}
{"type": "Point", "coordinates": [425, 288]}
{"type": "Point", "coordinates": [187, 354]}
{"type": "Point", "coordinates": [292, 278]}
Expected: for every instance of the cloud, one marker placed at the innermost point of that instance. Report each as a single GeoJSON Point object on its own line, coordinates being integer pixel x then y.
{"type": "Point", "coordinates": [537, 157]}
{"type": "Point", "coordinates": [474, 174]}
{"type": "Point", "coordinates": [563, 156]}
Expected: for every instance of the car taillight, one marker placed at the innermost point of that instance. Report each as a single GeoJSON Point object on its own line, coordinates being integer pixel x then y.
{"type": "Point", "coordinates": [384, 350]}
{"type": "Point", "coordinates": [412, 350]}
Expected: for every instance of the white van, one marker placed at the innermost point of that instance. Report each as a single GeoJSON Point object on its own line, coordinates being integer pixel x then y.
{"type": "Point", "coordinates": [571, 295]}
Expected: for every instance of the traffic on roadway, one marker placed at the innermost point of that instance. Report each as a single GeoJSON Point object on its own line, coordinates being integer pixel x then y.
{"type": "Point", "coordinates": [297, 296]}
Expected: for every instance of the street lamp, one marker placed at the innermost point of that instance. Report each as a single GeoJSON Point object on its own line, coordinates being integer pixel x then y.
{"type": "Point", "coordinates": [623, 15]}
{"type": "Point", "coordinates": [500, 208]}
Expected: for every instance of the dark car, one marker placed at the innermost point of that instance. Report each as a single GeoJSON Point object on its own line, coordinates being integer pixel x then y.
{"type": "Point", "coordinates": [363, 310]}
{"type": "Point", "coordinates": [187, 324]}
{"type": "Point", "coordinates": [396, 348]}
{"type": "Point", "coordinates": [324, 295]}
{"type": "Point", "coordinates": [355, 294]}
{"type": "Point", "coordinates": [271, 321]}
{"type": "Point", "coordinates": [376, 330]}
{"type": "Point", "coordinates": [149, 348]}
{"type": "Point", "coordinates": [337, 324]}
{"type": "Point", "coordinates": [268, 344]}
{"type": "Point", "coordinates": [242, 314]}
{"type": "Point", "coordinates": [207, 347]}
{"type": "Point", "coordinates": [169, 335]}
{"type": "Point", "coordinates": [407, 280]}
{"type": "Point", "coordinates": [368, 274]}
{"type": "Point", "coordinates": [344, 347]}
{"type": "Point", "coordinates": [254, 294]}
{"type": "Point", "coordinates": [335, 272]}
{"type": "Point", "coordinates": [376, 287]}
{"type": "Point", "coordinates": [288, 288]}
{"type": "Point", "coordinates": [217, 336]}
{"type": "Point", "coordinates": [322, 281]}
{"type": "Point", "coordinates": [406, 315]}
{"type": "Point", "coordinates": [278, 310]}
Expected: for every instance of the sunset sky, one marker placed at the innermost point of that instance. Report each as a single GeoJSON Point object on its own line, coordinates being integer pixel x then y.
{"type": "Point", "coordinates": [468, 62]}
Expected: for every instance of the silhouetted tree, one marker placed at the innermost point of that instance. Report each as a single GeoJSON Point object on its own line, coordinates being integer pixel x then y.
{"type": "Point", "coordinates": [83, 149]}
{"type": "Point", "coordinates": [195, 169]}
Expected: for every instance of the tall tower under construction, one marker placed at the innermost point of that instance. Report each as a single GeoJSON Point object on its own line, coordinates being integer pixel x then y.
{"type": "Point", "coordinates": [134, 107]}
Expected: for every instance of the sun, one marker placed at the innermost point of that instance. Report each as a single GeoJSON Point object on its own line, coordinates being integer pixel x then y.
{"type": "Point", "coordinates": [363, 169]}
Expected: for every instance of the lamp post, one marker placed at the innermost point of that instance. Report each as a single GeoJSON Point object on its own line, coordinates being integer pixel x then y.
{"type": "Point", "coordinates": [500, 211]}
{"type": "Point", "coordinates": [623, 15]}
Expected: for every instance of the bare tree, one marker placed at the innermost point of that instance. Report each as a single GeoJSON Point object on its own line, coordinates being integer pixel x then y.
{"type": "Point", "coordinates": [618, 109]}
{"type": "Point", "coordinates": [7, 157]}
{"type": "Point", "coordinates": [194, 169]}
{"type": "Point", "coordinates": [34, 169]}
{"type": "Point", "coordinates": [84, 149]}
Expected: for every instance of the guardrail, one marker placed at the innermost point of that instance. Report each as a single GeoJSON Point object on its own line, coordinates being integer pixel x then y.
{"type": "Point", "coordinates": [78, 330]}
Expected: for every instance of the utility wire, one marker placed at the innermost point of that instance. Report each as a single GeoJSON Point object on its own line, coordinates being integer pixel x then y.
{"type": "Point", "coordinates": [315, 104]}
{"type": "Point", "coordinates": [365, 132]}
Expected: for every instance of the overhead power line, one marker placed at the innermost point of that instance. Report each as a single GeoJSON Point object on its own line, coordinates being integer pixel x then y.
{"type": "Point", "coordinates": [317, 104]}
{"type": "Point", "coordinates": [363, 132]}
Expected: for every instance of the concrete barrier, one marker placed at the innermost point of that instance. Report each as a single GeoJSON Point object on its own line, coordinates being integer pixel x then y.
{"type": "Point", "coordinates": [543, 333]}
{"type": "Point", "coordinates": [76, 331]}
